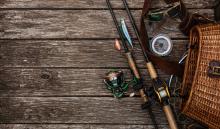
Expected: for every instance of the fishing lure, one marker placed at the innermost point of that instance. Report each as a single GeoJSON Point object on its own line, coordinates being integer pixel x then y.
{"type": "Point", "coordinates": [117, 45]}
{"type": "Point", "coordinates": [125, 33]}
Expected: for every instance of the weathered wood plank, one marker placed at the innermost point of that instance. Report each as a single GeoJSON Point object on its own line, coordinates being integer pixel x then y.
{"type": "Point", "coordinates": [94, 4]}
{"type": "Point", "coordinates": [69, 24]}
{"type": "Point", "coordinates": [77, 126]}
{"type": "Point", "coordinates": [75, 110]}
{"type": "Point", "coordinates": [59, 82]}
{"type": "Point", "coordinates": [71, 53]}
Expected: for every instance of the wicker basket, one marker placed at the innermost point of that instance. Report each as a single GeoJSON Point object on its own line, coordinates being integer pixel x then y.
{"type": "Point", "coordinates": [202, 92]}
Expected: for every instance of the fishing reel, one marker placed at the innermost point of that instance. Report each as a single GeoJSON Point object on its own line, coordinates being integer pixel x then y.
{"type": "Point", "coordinates": [115, 82]}
{"type": "Point", "coordinates": [159, 92]}
{"type": "Point", "coordinates": [162, 91]}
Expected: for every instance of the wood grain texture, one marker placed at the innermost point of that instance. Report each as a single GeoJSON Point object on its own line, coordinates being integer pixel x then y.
{"type": "Point", "coordinates": [59, 82]}
{"type": "Point", "coordinates": [76, 110]}
{"type": "Point", "coordinates": [72, 53]}
{"type": "Point", "coordinates": [93, 4]}
{"type": "Point", "coordinates": [53, 78]}
{"type": "Point", "coordinates": [71, 24]}
{"type": "Point", "coordinates": [77, 126]}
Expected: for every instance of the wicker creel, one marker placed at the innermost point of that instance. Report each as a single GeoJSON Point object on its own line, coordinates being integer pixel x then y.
{"type": "Point", "coordinates": [201, 87]}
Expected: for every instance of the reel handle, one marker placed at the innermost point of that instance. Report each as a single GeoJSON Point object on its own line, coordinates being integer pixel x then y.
{"type": "Point", "coordinates": [170, 117]}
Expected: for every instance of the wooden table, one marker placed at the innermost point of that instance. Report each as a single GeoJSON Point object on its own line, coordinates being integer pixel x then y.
{"type": "Point", "coordinates": [53, 57]}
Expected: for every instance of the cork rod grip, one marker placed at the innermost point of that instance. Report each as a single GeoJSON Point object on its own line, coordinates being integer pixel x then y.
{"type": "Point", "coordinates": [151, 70]}
{"type": "Point", "coordinates": [132, 65]}
{"type": "Point", "coordinates": [170, 117]}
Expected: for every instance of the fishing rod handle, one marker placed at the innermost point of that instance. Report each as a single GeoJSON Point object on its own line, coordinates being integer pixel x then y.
{"type": "Point", "coordinates": [170, 117]}
{"type": "Point", "coordinates": [134, 69]}
{"type": "Point", "coordinates": [151, 70]}
{"type": "Point", "coordinates": [132, 65]}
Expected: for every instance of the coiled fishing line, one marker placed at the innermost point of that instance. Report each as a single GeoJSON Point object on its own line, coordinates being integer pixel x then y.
{"type": "Point", "coordinates": [161, 45]}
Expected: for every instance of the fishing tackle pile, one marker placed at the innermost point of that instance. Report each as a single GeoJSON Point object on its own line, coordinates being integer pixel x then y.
{"type": "Point", "coordinates": [199, 76]}
{"type": "Point", "coordinates": [159, 89]}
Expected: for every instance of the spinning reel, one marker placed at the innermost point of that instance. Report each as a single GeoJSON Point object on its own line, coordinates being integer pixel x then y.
{"type": "Point", "coordinates": [115, 82]}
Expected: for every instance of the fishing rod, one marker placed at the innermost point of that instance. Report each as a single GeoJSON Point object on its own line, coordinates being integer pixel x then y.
{"type": "Point", "coordinates": [160, 86]}
{"type": "Point", "coordinates": [133, 66]}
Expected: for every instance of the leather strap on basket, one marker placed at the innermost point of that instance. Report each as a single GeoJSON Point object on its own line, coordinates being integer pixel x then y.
{"type": "Point", "coordinates": [217, 10]}
{"type": "Point", "coordinates": [188, 21]}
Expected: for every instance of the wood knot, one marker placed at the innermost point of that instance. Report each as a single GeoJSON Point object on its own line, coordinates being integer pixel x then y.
{"type": "Point", "coordinates": [46, 75]}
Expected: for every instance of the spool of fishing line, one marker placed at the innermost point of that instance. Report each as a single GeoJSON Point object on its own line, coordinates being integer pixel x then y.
{"type": "Point", "coordinates": [161, 45]}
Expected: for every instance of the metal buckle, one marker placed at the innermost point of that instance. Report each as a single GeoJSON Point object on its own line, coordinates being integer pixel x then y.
{"type": "Point", "coordinates": [216, 70]}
